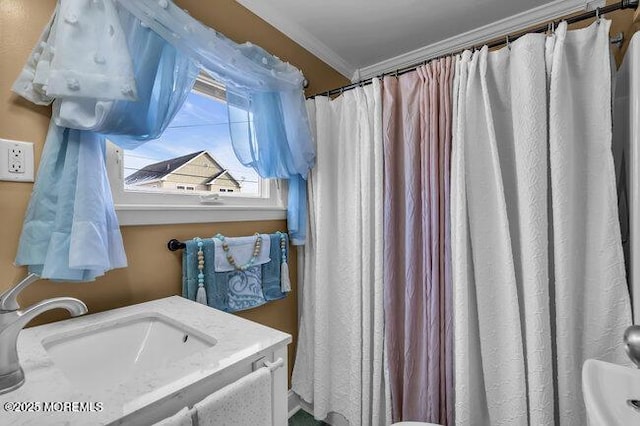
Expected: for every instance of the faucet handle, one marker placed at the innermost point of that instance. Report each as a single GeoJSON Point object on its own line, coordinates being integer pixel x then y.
{"type": "Point", "coordinates": [632, 343]}
{"type": "Point", "coordinates": [9, 299]}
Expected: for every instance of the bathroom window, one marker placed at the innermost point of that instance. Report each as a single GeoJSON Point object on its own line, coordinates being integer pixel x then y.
{"type": "Point", "coordinates": [191, 174]}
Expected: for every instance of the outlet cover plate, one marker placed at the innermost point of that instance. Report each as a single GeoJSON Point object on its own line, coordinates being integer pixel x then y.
{"type": "Point", "coordinates": [28, 165]}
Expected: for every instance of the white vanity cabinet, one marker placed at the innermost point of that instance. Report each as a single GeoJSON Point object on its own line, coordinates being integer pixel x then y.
{"type": "Point", "coordinates": [196, 392]}
{"type": "Point", "coordinates": [141, 363]}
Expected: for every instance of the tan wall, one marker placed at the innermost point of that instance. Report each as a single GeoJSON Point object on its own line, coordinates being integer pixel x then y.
{"type": "Point", "coordinates": [154, 272]}
{"type": "Point", "coordinates": [621, 21]}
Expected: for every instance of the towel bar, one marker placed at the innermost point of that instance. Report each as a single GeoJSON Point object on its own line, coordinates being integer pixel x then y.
{"type": "Point", "coordinates": [272, 366]}
{"type": "Point", "coordinates": [175, 245]}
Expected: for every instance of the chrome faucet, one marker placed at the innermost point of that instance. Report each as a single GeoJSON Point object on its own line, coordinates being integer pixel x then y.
{"type": "Point", "coordinates": [12, 321]}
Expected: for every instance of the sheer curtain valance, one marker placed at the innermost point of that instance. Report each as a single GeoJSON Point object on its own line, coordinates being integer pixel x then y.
{"type": "Point", "coordinates": [122, 69]}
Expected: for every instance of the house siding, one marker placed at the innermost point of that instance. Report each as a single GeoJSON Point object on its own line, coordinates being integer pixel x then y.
{"type": "Point", "coordinates": [196, 173]}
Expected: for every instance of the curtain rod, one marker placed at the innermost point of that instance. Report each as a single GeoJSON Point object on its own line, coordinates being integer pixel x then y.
{"type": "Point", "coordinates": [624, 4]}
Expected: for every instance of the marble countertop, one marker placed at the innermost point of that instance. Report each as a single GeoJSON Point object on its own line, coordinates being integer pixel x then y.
{"type": "Point", "coordinates": [237, 341]}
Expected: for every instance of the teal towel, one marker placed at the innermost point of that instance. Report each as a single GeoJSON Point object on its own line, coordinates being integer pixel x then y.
{"type": "Point", "coordinates": [271, 270]}
{"type": "Point", "coordinates": [235, 290]}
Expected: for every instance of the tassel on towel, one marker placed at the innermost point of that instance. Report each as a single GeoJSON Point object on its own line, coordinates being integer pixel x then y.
{"type": "Point", "coordinates": [285, 282]}
{"type": "Point", "coordinates": [201, 295]}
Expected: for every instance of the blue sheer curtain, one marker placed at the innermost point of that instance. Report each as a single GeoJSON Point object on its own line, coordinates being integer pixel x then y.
{"type": "Point", "coordinates": [267, 114]}
{"type": "Point", "coordinates": [70, 230]}
{"type": "Point", "coordinates": [265, 137]}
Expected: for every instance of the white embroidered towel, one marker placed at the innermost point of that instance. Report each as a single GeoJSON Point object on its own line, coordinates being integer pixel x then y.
{"type": "Point", "coordinates": [181, 418]}
{"type": "Point", "coordinates": [241, 248]}
{"type": "Point", "coordinates": [244, 402]}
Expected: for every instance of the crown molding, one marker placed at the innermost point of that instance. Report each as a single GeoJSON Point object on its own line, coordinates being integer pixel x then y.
{"type": "Point", "coordinates": [545, 12]}
{"type": "Point", "coordinates": [299, 35]}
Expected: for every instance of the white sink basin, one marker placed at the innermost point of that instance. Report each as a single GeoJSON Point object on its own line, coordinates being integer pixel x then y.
{"type": "Point", "coordinates": [116, 352]}
{"type": "Point", "coordinates": [609, 391]}
{"type": "Point", "coordinates": [135, 360]}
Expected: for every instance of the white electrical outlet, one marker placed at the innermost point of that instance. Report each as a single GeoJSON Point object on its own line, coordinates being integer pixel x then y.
{"type": "Point", "coordinates": [16, 161]}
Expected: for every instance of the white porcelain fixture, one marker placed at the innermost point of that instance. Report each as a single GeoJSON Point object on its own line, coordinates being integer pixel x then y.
{"type": "Point", "coordinates": [122, 350]}
{"type": "Point", "coordinates": [143, 363]}
{"type": "Point", "coordinates": [611, 393]}
{"type": "Point", "coordinates": [626, 140]}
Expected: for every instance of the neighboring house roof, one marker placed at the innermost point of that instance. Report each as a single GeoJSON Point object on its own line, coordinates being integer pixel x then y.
{"type": "Point", "coordinates": [158, 171]}
{"type": "Point", "coordinates": [213, 178]}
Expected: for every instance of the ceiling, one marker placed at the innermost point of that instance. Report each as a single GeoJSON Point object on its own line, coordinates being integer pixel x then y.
{"type": "Point", "coordinates": [357, 34]}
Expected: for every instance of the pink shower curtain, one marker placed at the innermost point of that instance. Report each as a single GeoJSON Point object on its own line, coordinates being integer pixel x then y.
{"type": "Point", "coordinates": [417, 113]}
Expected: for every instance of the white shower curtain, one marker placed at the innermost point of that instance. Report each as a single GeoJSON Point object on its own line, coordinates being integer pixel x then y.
{"type": "Point", "coordinates": [538, 269]}
{"type": "Point", "coordinates": [339, 366]}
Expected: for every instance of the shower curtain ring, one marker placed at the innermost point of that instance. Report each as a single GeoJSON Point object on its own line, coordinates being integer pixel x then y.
{"type": "Point", "coordinates": [598, 15]}
{"type": "Point", "coordinates": [508, 42]}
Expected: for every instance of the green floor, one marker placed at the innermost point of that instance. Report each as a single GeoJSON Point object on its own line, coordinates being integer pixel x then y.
{"type": "Point", "coordinates": [302, 418]}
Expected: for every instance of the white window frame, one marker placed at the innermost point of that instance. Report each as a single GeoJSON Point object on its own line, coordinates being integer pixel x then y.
{"type": "Point", "coordinates": [149, 207]}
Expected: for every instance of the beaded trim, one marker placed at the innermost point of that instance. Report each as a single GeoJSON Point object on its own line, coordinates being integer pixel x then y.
{"type": "Point", "coordinates": [283, 246]}
{"type": "Point", "coordinates": [200, 262]}
{"type": "Point", "coordinates": [256, 251]}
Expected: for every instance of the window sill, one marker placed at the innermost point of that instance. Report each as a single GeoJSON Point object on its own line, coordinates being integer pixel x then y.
{"type": "Point", "coordinates": [136, 215]}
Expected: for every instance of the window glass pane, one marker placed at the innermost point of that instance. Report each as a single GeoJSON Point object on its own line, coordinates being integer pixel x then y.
{"type": "Point", "coordinates": [194, 154]}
